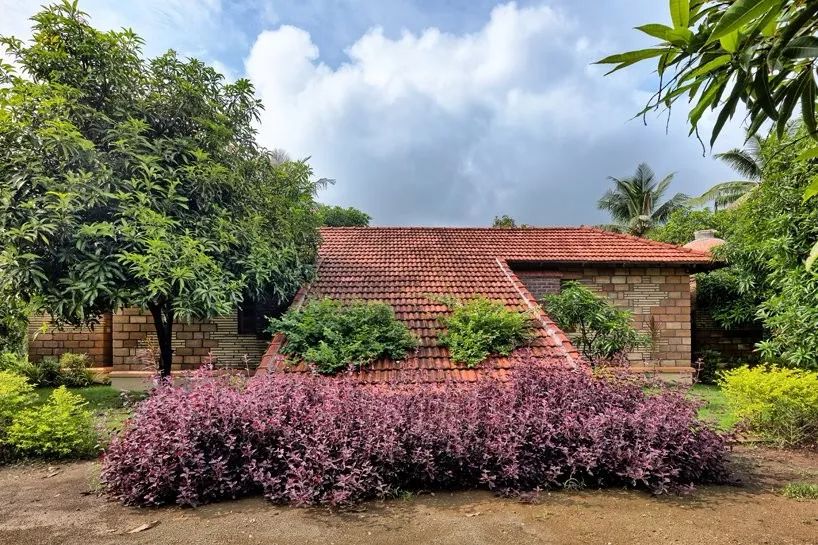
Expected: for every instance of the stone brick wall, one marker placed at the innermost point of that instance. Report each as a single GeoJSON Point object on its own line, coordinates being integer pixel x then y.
{"type": "Point", "coordinates": [134, 340]}
{"type": "Point", "coordinates": [44, 339]}
{"type": "Point", "coordinates": [654, 295]}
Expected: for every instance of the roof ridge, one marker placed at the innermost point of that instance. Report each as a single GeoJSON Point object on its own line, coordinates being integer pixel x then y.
{"type": "Point", "coordinates": [458, 228]}
{"type": "Point", "coordinates": [552, 330]}
{"type": "Point", "coordinates": [652, 242]}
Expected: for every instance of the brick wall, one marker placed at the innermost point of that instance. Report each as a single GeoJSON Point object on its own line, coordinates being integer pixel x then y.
{"type": "Point", "coordinates": [134, 339]}
{"type": "Point", "coordinates": [661, 294]}
{"type": "Point", "coordinates": [735, 344]}
{"type": "Point", "coordinates": [44, 339]}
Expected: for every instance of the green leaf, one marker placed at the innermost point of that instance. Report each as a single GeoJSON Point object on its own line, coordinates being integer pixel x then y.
{"type": "Point", "coordinates": [738, 14]}
{"type": "Point", "coordinates": [810, 153]}
{"type": "Point", "coordinates": [719, 61]}
{"type": "Point", "coordinates": [633, 56]}
{"type": "Point", "coordinates": [680, 13]}
{"type": "Point", "coordinates": [802, 47]}
{"type": "Point", "coordinates": [729, 42]}
{"type": "Point", "coordinates": [791, 96]}
{"type": "Point", "coordinates": [808, 105]}
{"type": "Point", "coordinates": [812, 257]}
{"type": "Point", "coordinates": [656, 30]}
{"type": "Point", "coordinates": [706, 99]}
{"type": "Point", "coordinates": [762, 92]}
{"type": "Point", "coordinates": [812, 189]}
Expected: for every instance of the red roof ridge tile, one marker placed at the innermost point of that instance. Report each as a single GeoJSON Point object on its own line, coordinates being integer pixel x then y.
{"type": "Point", "coordinates": [658, 244]}
{"type": "Point", "coordinates": [556, 334]}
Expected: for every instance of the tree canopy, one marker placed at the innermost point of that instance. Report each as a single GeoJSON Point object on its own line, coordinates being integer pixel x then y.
{"type": "Point", "coordinates": [338, 216]}
{"type": "Point", "coordinates": [127, 181]}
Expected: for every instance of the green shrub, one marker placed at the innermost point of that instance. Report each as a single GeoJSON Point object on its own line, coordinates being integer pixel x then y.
{"type": "Point", "coordinates": [45, 372]}
{"type": "Point", "coordinates": [602, 330]}
{"type": "Point", "coordinates": [333, 335]}
{"type": "Point", "coordinates": [13, 324]}
{"type": "Point", "coordinates": [480, 327]}
{"type": "Point", "coordinates": [801, 491]}
{"type": "Point", "coordinates": [74, 370]}
{"type": "Point", "coordinates": [60, 428]}
{"type": "Point", "coordinates": [16, 394]}
{"type": "Point", "coordinates": [780, 405]}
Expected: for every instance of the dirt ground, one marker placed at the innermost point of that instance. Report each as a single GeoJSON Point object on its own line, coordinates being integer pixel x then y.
{"type": "Point", "coordinates": [42, 504]}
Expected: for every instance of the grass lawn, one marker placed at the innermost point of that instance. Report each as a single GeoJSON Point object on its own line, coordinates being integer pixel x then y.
{"type": "Point", "coordinates": [715, 406]}
{"type": "Point", "coordinates": [99, 397]}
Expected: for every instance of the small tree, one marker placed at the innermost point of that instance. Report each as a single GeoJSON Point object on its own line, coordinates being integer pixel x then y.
{"type": "Point", "coordinates": [132, 182]}
{"type": "Point", "coordinates": [602, 329]}
{"type": "Point", "coordinates": [337, 216]}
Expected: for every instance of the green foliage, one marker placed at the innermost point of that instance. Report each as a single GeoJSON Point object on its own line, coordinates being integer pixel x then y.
{"type": "Point", "coordinates": [769, 238]}
{"type": "Point", "coordinates": [634, 202]}
{"type": "Point", "coordinates": [13, 324]}
{"type": "Point", "coordinates": [60, 428]}
{"type": "Point", "coordinates": [506, 222]}
{"type": "Point", "coordinates": [134, 182]}
{"type": "Point", "coordinates": [602, 329]}
{"type": "Point", "coordinates": [15, 395]}
{"type": "Point", "coordinates": [45, 372]}
{"type": "Point", "coordinates": [74, 369]}
{"type": "Point", "coordinates": [480, 327]}
{"type": "Point", "coordinates": [333, 335]}
{"type": "Point", "coordinates": [759, 52]}
{"type": "Point", "coordinates": [683, 222]}
{"type": "Point", "coordinates": [801, 491]}
{"type": "Point", "coordinates": [337, 216]}
{"type": "Point", "coordinates": [780, 405]}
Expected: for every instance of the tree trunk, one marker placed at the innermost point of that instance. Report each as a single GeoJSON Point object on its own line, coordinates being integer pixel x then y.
{"type": "Point", "coordinates": [163, 322]}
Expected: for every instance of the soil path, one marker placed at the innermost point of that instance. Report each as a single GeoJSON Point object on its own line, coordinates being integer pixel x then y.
{"type": "Point", "coordinates": [44, 505]}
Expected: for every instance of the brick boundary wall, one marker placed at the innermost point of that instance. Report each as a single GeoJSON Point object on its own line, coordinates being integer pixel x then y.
{"type": "Point", "coordinates": [660, 293]}
{"type": "Point", "coordinates": [50, 341]}
{"type": "Point", "coordinates": [134, 338]}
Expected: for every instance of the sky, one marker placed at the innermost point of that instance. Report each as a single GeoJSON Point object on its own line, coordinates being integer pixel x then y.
{"type": "Point", "coordinates": [438, 112]}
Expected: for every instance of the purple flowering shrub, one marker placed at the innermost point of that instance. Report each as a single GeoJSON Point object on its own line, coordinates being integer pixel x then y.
{"type": "Point", "coordinates": [308, 440]}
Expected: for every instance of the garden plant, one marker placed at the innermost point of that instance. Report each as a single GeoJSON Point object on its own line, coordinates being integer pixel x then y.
{"type": "Point", "coordinates": [311, 440]}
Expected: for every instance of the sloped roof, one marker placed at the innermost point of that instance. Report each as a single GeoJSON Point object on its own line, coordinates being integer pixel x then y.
{"type": "Point", "coordinates": [404, 266]}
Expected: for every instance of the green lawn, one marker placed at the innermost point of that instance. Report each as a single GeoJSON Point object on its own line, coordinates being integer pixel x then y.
{"type": "Point", "coordinates": [99, 397]}
{"type": "Point", "coordinates": [715, 408]}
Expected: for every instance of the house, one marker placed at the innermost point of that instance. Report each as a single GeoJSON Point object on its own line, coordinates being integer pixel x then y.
{"type": "Point", "coordinates": [403, 266]}
{"type": "Point", "coordinates": [408, 266]}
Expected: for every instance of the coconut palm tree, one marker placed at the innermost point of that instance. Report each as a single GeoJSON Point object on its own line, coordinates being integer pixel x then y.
{"type": "Point", "coordinates": [747, 162]}
{"type": "Point", "coordinates": [635, 203]}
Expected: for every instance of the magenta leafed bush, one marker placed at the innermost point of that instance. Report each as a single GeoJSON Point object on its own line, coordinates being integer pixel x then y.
{"type": "Point", "coordinates": [307, 440]}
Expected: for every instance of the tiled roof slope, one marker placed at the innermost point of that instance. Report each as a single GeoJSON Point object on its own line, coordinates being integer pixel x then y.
{"type": "Point", "coordinates": [405, 266]}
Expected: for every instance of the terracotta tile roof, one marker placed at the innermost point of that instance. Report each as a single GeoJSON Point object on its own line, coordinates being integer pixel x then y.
{"type": "Point", "coordinates": [402, 266]}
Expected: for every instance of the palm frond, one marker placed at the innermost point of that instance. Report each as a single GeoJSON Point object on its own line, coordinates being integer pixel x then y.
{"type": "Point", "coordinates": [744, 161]}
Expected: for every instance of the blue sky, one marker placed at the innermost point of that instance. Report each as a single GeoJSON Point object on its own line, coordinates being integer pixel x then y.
{"type": "Point", "coordinates": [437, 113]}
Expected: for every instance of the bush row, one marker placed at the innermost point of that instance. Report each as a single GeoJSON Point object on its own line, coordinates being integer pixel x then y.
{"type": "Point", "coordinates": [779, 405]}
{"type": "Point", "coordinates": [307, 440]}
{"type": "Point", "coordinates": [69, 370]}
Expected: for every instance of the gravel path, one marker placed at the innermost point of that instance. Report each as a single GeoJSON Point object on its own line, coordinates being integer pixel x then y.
{"type": "Point", "coordinates": [42, 505]}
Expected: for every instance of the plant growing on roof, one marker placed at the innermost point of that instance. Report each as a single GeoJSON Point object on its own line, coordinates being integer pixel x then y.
{"type": "Point", "coordinates": [480, 327]}
{"type": "Point", "coordinates": [133, 182]}
{"type": "Point", "coordinates": [602, 329]}
{"type": "Point", "coordinates": [334, 335]}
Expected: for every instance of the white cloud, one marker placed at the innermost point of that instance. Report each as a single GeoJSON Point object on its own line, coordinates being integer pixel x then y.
{"type": "Point", "coordinates": [436, 128]}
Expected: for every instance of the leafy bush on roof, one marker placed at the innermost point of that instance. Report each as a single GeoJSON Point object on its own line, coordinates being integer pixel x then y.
{"type": "Point", "coordinates": [480, 327]}
{"type": "Point", "coordinates": [333, 335]}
